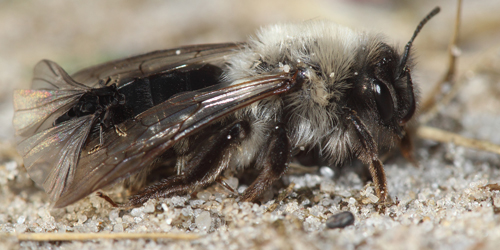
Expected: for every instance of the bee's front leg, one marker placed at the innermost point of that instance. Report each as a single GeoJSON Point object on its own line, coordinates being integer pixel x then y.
{"type": "Point", "coordinates": [369, 156]}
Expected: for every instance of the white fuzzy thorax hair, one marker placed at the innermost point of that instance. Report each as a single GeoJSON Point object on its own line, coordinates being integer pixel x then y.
{"type": "Point", "coordinates": [328, 52]}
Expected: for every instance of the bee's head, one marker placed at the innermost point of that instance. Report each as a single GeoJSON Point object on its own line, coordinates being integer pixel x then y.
{"type": "Point", "coordinates": [383, 84]}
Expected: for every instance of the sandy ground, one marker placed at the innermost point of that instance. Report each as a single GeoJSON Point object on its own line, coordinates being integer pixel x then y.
{"type": "Point", "coordinates": [443, 204]}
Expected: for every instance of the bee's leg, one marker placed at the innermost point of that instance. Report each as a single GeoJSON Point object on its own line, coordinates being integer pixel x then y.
{"type": "Point", "coordinates": [119, 131]}
{"type": "Point", "coordinates": [101, 140]}
{"type": "Point", "coordinates": [108, 199]}
{"type": "Point", "coordinates": [275, 163]}
{"type": "Point", "coordinates": [370, 156]}
{"type": "Point", "coordinates": [406, 147]}
{"type": "Point", "coordinates": [223, 183]}
{"type": "Point", "coordinates": [211, 158]}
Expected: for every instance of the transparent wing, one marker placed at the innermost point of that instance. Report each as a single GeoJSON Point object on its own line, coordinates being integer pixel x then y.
{"type": "Point", "coordinates": [51, 156]}
{"type": "Point", "coordinates": [53, 93]}
{"type": "Point", "coordinates": [52, 153]}
{"type": "Point", "coordinates": [156, 130]}
{"type": "Point", "coordinates": [49, 75]}
{"type": "Point", "coordinates": [124, 70]}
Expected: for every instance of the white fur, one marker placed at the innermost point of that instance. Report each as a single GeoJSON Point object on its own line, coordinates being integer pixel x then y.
{"type": "Point", "coordinates": [286, 47]}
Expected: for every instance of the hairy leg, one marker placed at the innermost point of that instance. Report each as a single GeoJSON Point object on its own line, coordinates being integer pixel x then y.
{"type": "Point", "coordinates": [370, 156]}
{"type": "Point", "coordinates": [274, 163]}
{"type": "Point", "coordinates": [210, 158]}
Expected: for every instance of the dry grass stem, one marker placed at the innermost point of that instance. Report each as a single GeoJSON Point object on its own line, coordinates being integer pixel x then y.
{"type": "Point", "coordinates": [450, 75]}
{"type": "Point", "coordinates": [97, 236]}
{"type": "Point", "coordinates": [439, 135]}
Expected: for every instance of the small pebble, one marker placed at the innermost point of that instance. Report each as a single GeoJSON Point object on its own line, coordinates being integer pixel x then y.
{"type": "Point", "coordinates": [21, 220]}
{"type": "Point", "coordinates": [340, 220]}
{"type": "Point", "coordinates": [326, 172]}
{"type": "Point", "coordinates": [203, 221]}
{"type": "Point", "coordinates": [118, 228]}
{"type": "Point", "coordinates": [21, 228]}
{"type": "Point", "coordinates": [138, 211]}
{"type": "Point", "coordinates": [149, 208]}
{"type": "Point", "coordinates": [203, 195]}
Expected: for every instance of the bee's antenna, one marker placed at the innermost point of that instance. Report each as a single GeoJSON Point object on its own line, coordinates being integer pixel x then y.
{"type": "Point", "coordinates": [417, 30]}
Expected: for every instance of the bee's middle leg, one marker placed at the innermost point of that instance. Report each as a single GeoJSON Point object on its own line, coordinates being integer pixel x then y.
{"type": "Point", "coordinates": [274, 162]}
{"type": "Point", "coordinates": [210, 158]}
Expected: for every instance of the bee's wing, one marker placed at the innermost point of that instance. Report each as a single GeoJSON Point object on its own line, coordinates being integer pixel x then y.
{"type": "Point", "coordinates": [124, 70]}
{"type": "Point", "coordinates": [159, 128]}
{"type": "Point", "coordinates": [51, 153]}
{"type": "Point", "coordinates": [53, 93]}
{"type": "Point", "coordinates": [51, 156]}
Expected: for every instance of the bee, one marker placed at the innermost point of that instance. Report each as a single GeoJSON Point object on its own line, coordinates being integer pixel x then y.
{"type": "Point", "coordinates": [215, 107]}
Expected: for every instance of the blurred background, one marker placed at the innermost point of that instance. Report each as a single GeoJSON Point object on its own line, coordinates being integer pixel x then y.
{"type": "Point", "coordinates": [78, 34]}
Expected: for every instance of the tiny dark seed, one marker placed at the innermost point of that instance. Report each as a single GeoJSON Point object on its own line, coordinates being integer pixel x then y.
{"type": "Point", "coordinates": [340, 220]}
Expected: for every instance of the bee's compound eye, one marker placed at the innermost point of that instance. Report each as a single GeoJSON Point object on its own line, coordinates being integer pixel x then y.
{"type": "Point", "coordinates": [384, 101]}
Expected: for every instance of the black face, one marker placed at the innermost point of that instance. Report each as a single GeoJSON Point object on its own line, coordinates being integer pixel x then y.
{"type": "Point", "coordinates": [382, 90]}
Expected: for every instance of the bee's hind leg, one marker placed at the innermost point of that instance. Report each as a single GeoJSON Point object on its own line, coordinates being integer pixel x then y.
{"type": "Point", "coordinates": [210, 158]}
{"type": "Point", "coordinates": [274, 162]}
